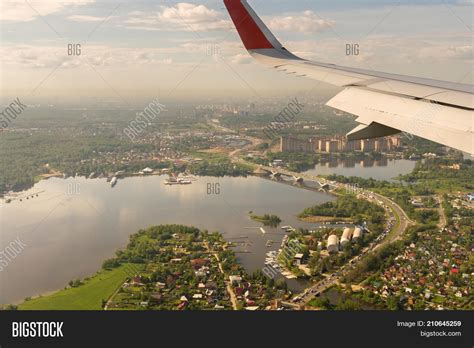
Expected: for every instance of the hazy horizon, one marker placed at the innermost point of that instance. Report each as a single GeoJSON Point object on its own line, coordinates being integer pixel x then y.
{"type": "Point", "coordinates": [190, 49]}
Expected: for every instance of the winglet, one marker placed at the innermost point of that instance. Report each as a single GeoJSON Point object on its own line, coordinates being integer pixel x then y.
{"type": "Point", "coordinates": [253, 32]}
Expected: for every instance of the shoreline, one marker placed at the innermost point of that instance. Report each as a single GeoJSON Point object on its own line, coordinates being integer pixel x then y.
{"type": "Point", "coordinates": [54, 291]}
{"type": "Point", "coordinates": [330, 219]}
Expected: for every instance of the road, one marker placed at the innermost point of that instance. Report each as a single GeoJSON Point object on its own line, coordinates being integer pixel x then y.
{"type": "Point", "coordinates": [443, 221]}
{"type": "Point", "coordinates": [230, 290]}
{"type": "Point", "coordinates": [398, 222]}
{"type": "Point", "coordinates": [234, 154]}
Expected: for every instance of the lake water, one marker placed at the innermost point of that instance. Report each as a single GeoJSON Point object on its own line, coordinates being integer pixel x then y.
{"type": "Point", "coordinates": [382, 168]}
{"type": "Point", "coordinates": [76, 223]}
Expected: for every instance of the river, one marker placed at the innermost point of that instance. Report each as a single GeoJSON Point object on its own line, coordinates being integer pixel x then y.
{"type": "Point", "coordinates": [76, 223]}
{"type": "Point", "coordinates": [381, 168]}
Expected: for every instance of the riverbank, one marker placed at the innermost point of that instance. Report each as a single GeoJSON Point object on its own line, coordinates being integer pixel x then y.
{"type": "Point", "coordinates": [90, 294]}
{"type": "Point", "coordinates": [328, 219]}
{"type": "Point", "coordinates": [96, 220]}
{"type": "Point", "coordinates": [179, 268]}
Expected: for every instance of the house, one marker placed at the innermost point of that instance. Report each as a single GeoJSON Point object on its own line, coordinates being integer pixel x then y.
{"type": "Point", "coordinates": [298, 258]}
{"type": "Point", "coordinates": [417, 203]}
{"type": "Point", "coordinates": [146, 171]}
{"type": "Point", "coordinates": [235, 280]}
{"type": "Point", "coordinates": [251, 308]}
{"type": "Point", "coordinates": [160, 285]}
{"type": "Point", "coordinates": [211, 285]}
{"type": "Point", "coordinates": [250, 302]}
{"type": "Point", "coordinates": [198, 263]}
{"type": "Point", "coordinates": [156, 297]}
{"type": "Point", "coordinates": [137, 281]}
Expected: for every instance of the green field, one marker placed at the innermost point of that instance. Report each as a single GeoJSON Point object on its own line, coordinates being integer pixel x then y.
{"type": "Point", "coordinates": [87, 296]}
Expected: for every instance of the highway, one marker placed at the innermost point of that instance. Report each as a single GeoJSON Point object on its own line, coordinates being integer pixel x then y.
{"type": "Point", "coordinates": [397, 223]}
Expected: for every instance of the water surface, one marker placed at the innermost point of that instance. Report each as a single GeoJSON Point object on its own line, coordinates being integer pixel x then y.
{"type": "Point", "coordinates": [366, 167]}
{"type": "Point", "coordinates": [76, 223]}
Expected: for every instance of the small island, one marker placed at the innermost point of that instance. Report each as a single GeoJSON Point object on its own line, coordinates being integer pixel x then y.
{"type": "Point", "coordinates": [267, 219]}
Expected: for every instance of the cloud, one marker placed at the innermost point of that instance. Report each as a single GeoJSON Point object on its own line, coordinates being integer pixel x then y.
{"type": "Point", "coordinates": [84, 18]}
{"type": "Point", "coordinates": [306, 22]}
{"type": "Point", "coordinates": [241, 59]}
{"type": "Point", "coordinates": [147, 57]}
{"type": "Point", "coordinates": [37, 57]}
{"type": "Point", "coordinates": [182, 16]}
{"type": "Point", "coordinates": [451, 52]}
{"type": "Point", "coordinates": [25, 11]}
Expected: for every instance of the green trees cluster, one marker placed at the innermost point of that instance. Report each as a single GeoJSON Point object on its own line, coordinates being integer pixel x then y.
{"type": "Point", "coordinates": [347, 207]}
{"type": "Point", "coordinates": [219, 168]}
{"type": "Point", "coordinates": [25, 156]}
{"type": "Point", "coordinates": [146, 245]}
{"type": "Point", "coordinates": [267, 219]}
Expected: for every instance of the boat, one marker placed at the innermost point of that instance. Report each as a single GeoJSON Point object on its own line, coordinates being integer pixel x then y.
{"type": "Point", "coordinates": [269, 243]}
{"type": "Point", "coordinates": [113, 182]}
{"type": "Point", "coordinates": [262, 230]}
{"type": "Point", "coordinates": [184, 181]}
{"type": "Point", "coordinates": [179, 181]}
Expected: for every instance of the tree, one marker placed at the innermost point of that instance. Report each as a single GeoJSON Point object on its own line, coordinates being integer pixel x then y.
{"type": "Point", "coordinates": [348, 305]}
{"type": "Point", "coordinates": [392, 303]}
{"type": "Point", "coordinates": [281, 284]}
{"type": "Point", "coordinates": [110, 264]}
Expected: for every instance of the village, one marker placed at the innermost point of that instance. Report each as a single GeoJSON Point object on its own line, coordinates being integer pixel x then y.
{"type": "Point", "coordinates": [190, 270]}
{"type": "Point", "coordinates": [435, 269]}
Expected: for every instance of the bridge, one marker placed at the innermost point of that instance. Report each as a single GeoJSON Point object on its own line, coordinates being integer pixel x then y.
{"type": "Point", "coordinates": [298, 177]}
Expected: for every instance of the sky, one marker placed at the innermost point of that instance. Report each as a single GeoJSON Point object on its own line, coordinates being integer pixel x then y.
{"type": "Point", "coordinates": [144, 48]}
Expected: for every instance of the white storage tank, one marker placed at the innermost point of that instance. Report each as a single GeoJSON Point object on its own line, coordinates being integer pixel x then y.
{"type": "Point", "coordinates": [346, 237]}
{"type": "Point", "coordinates": [333, 243]}
{"type": "Point", "coordinates": [357, 233]}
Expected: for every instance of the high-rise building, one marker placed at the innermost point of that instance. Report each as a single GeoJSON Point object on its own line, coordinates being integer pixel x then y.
{"type": "Point", "coordinates": [291, 144]}
{"type": "Point", "coordinates": [332, 146]}
{"type": "Point", "coordinates": [339, 143]}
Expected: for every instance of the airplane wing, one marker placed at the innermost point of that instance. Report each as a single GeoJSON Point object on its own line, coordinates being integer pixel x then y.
{"type": "Point", "coordinates": [385, 104]}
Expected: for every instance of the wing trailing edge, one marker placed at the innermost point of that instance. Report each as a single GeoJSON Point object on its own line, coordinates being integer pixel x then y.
{"type": "Point", "coordinates": [385, 103]}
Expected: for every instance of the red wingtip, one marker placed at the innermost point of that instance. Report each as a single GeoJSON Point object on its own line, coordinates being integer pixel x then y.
{"type": "Point", "coordinates": [250, 33]}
